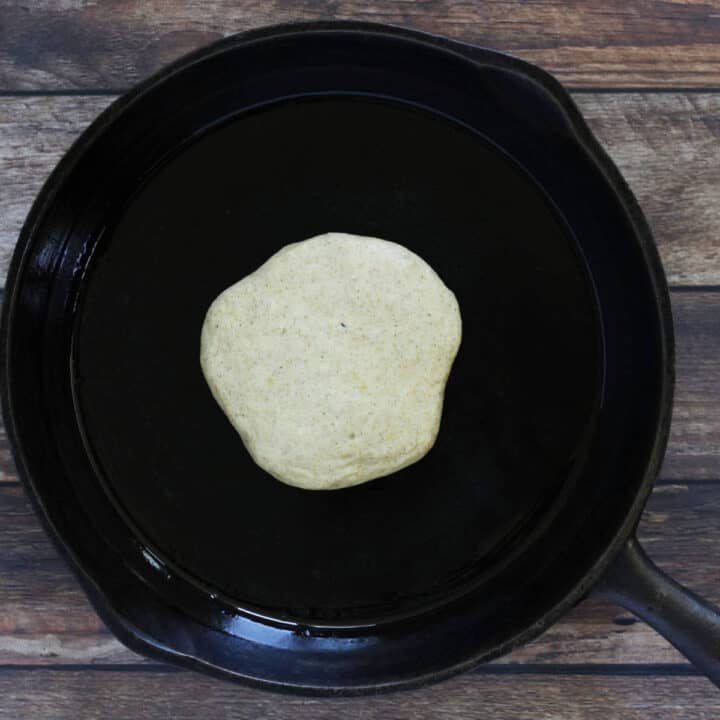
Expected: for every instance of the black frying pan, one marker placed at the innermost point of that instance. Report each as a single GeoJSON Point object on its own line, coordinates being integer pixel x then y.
{"type": "Point", "coordinates": [556, 413]}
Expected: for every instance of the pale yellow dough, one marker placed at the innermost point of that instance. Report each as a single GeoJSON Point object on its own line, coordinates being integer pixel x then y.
{"type": "Point", "coordinates": [331, 359]}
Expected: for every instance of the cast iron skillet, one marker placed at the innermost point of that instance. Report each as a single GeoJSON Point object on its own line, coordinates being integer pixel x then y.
{"type": "Point", "coordinates": [556, 414]}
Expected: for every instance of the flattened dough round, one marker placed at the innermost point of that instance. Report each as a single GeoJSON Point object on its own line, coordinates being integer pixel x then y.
{"type": "Point", "coordinates": [331, 359]}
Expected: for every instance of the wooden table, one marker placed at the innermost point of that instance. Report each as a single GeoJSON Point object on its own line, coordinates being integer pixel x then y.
{"type": "Point", "coordinates": [647, 77]}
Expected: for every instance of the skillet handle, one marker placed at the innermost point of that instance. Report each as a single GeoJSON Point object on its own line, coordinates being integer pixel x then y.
{"type": "Point", "coordinates": [690, 623]}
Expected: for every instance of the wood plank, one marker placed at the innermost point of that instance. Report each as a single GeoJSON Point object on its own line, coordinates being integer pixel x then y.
{"type": "Point", "coordinates": [8, 473]}
{"type": "Point", "coordinates": [98, 695]}
{"type": "Point", "coordinates": [668, 149]}
{"type": "Point", "coordinates": [694, 448]}
{"type": "Point", "coordinates": [667, 146]}
{"type": "Point", "coordinates": [694, 445]}
{"type": "Point", "coordinates": [82, 44]}
{"type": "Point", "coordinates": [34, 134]}
{"type": "Point", "coordinates": [44, 615]}
{"type": "Point", "coordinates": [45, 619]}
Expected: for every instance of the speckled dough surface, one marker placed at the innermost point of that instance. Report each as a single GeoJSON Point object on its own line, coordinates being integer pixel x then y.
{"type": "Point", "coordinates": [331, 359]}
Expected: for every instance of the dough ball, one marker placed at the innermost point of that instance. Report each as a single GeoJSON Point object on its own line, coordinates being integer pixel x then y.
{"type": "Point", "coordinates": [331, 359]}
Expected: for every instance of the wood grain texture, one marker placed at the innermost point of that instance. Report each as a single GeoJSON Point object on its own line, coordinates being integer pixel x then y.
{"type": "Point", "coordinates": [694, 445]}
{"type": "Point", "coordinates": [45, 619]}
{"type": "Point", "coordinates": [668, 149]}
{"type": "Point", "coordinates": [666, 145]}
{"type": "Point", "coordinates": [96, 695]}
{"type": "Point", "coordinates": [85, 44]}
{"type": "Point", "coordinates": [693, 451]}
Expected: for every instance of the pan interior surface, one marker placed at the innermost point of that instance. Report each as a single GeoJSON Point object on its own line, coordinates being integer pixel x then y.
{"type": "Point", "coordinates": [520, 407]}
